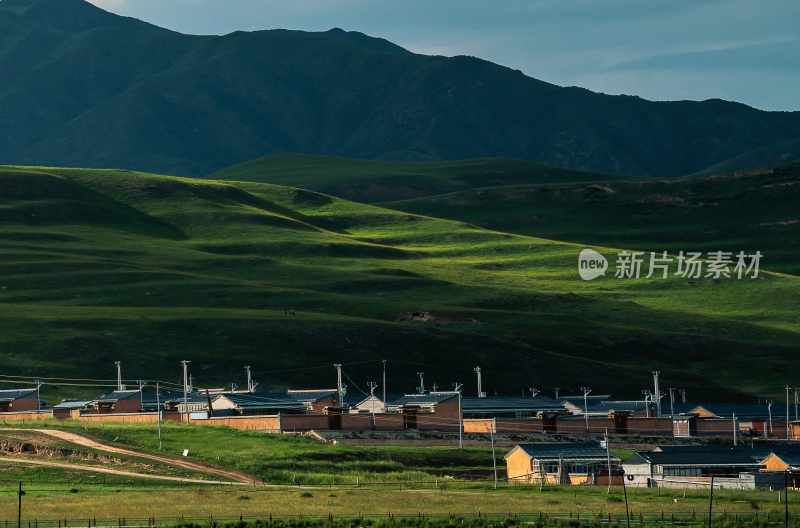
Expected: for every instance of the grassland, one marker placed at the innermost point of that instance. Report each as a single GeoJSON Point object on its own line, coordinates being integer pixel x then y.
{"type": "Point", "coordinates": [279, 459]}
{"type": "Point", "coordinates": [751, 211]}
{"type": "Point", "coordinates": [391, 479]}
{"type": "Point", "coordinates": [116, 502]}
{"type": "Point", "coordinates": [372, 181]}
{"type": "Point", "coordinates": [101, 265]}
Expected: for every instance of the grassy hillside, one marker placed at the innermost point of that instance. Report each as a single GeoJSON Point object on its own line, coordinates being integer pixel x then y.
{"type": "Point", "coordinates": [105, 265]}
{"type": "Point", "coordinates": [381, 181]}
{"type": "Point", "coordinates": [753, 211]}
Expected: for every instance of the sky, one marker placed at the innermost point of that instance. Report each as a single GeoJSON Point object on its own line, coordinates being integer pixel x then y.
{"type": "Point", "coordinates": [740, 50]}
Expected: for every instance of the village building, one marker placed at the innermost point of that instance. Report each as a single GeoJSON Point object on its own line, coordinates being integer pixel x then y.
{"type": "Point", "coordinates": [509, 407]}
{"type": "Point", "coordinates": [369, 405]}
{"type": "Point", "coordinates": [255, 404]}
{"type": "Point", "coordinates": [576, 404]}
{"type": "Point", "coordinates": [753, 420]}
{"type": "Point", "coordinates": [693, 466]}
{"type": "Point", "coordinates": [19, 400]}
{"type": "Point", "coordinates": [317, 401]}
{"type": "Point", "coordinates": [444, 403]}
{"type": "Point", "coordinates": [121, 401]}
{"type": "Point", "coordinates": [570, 464]}
{"type": "Point", "coordinates": [786, 463]}
{"type": "Point", "coordinates": [69, 409]}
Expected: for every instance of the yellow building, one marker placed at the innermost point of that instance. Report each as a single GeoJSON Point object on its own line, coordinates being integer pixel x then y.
{"type": "Point", "coordinates": [568, 464]}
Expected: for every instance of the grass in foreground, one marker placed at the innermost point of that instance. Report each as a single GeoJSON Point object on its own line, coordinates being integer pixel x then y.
{"type": "Point", "coordinates": [115, 502]}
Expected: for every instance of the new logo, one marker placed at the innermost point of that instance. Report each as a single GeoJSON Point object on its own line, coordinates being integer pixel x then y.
{"type": "Point", "coordinates": [591, 264]}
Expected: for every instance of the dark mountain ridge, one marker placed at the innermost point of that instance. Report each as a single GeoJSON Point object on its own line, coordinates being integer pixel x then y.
{"type": "Point", "coordinates": [89, 88]}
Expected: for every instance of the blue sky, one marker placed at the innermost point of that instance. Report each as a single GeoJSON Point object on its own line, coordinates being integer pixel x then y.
{"type": "Point", "coordinates": [742, 50]}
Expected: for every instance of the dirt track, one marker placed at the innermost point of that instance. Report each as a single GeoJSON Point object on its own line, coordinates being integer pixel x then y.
{"type": "Point", "coordinates": [95, 469]}
{"type": "Point", "coordinates": [74, 438]}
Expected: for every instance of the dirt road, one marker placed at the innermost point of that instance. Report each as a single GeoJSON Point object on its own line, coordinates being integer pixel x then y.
{"type": "Point", "coordinates": [96, 469]}
{"type": "Point", "coordinates": [77, 439]}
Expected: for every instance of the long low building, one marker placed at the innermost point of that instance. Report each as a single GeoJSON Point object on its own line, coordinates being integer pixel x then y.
{"type": "Point", "coordinates": [744, 467]}
{"type": "Point", "coordinates": [574, 463]}
{"type": "Point", "coordinates": [19, 400]}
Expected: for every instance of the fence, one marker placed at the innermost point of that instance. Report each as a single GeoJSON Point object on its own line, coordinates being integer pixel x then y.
{"type": "Point", "coordinates": [424, 519]}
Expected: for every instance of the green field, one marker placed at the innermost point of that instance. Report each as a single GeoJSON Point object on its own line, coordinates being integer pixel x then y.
{"type": "Point", "coordinates": [278, 459]}
{"type": "Point", "coordinates": [330, 479]}
{"type": "Point", "coordinates": [372, 181]}
{"type": "Point", "coordinates": [79, 503]}
{"type": "Point", "coordinates": [750, 211]}
{"type": "Point", "coordinates": [101, 265]}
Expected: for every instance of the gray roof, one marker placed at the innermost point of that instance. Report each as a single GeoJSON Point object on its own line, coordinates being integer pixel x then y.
{"type": "Point", "coordinates": [10, 395]}
{"type": "Point", "coordinates": [727, 410]}
{"type": "Point", "coordinates": [510, 404]}
{"type": "Point", "coordinates": [311, 395]}
{"type": "Point", "coordinates": [264, 400]}
{"type": "Point", "coordinates": [432, 398]}
{"type": "Point", "coordinates": [71, 404]}
{"type": "Point", "coordinates": [119, 396]}
{"type": "Point", "coordinates": [565, 450]}
{"type": "Point", "coordinates": [705, 455]}
{"type": "Point", "coordinates": [618, 406]}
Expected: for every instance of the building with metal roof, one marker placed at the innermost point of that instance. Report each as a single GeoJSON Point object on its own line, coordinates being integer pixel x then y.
{"type": "Point", "coordinates": [509, 407]}
{"type": "Point", "coordinates": [19, 400]}
{"type": "Point", "coordinates": [563, 463]}
{"type": "Point", "coordinates": [256, 403]}
{"type": "Point", "coordinates": [696, 465]}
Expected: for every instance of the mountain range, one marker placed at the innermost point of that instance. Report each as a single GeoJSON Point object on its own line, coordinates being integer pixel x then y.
{"type": "Point", "coordinates": [85, 87]}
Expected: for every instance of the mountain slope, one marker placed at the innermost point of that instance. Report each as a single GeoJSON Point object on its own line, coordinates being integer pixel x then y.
{"type": "Point", "coordinates": [372, 181]}
{"type": "Point", "coordinates": [74, 94]}
{"type": "Point", "coordinates": [101, 265]}
{"type": "Point", "coordinates": [751, 211]}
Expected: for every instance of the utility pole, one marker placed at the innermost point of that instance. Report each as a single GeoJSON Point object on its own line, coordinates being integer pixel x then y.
{"type": "Point", "coordinates": [608, 457]}
{"type": "Point", "coordinates": [796, 404]}
{"type": "Point", "coordinates": [711, 502]}
{"type": "Point", "coordinates": [38, 395]}
{"type": "Point", "coordinates": [586, 392]}
{"type": "Point", "coordinates": [735, 431]}
{"type": "Point", "coordinates": [249, 378]}
{"type": "Point", "coordinates": [186, 388]}
{"type": "Point", "coordinates": [788, 427]}
{"type": "Point", "coordinates": [786, 498]}
{"type": "Point", "coordinates": [158, 421]}
{"type": "Point", "coordinates": [769, 409]}
{"type": "Point", "coordinates": [19, 507]}
{"type": "Point", "coordinates": [372, 386]}
{"type": "Point", "coordinates": [480, 382]}
{"type": "Point", "coordinates": [657, 392]}
{"type": "Point", "coordinates": [683, 395]}
{"type": "Point", "coordinates": [339, 388]}
{"type": "Point", "coordinates": [494, 457]}
{"type": "Point", "coordinates": [556, 391]}
{"type": "Point", "coordinates": [384, 381]}
{"type": "Point", "coordinates": [120, 387]}
{"type": "Point", "coordinates": [627, 508]}
{"type": "Point", "coordinates": [646, 396]}
{"type": "Point", "coordinates": [421, 387]}
{"type": "Point", "coordinates": [672, 401]}
{"type": "Point", "coordinates": [457, 388]}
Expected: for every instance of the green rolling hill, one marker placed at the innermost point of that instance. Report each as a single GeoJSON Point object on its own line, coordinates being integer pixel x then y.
{"type": "Point", "coordinates": [371, 181]}
{"type": "Point", "coordinates": [732, 212]}
{"type": "Point", "coordinates": [100, 265]}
